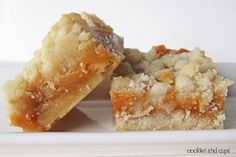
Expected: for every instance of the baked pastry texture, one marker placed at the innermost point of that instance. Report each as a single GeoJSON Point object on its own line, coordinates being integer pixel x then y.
{"type": "Point", "coordinates": [168, 89]}
{"type": "Point", "coordinates": [76, 55]}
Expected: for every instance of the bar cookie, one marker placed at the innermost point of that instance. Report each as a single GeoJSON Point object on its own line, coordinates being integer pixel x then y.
{"type": "Point", "coordinates": [167, 89]}
{"type": "Point", "coordinates": [77, 54]}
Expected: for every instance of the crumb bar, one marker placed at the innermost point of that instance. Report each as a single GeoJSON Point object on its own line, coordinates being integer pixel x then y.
{"type": "Point", "coordinates": [77, 54]}
{"type": "Point", "coordinates": [167, 89]}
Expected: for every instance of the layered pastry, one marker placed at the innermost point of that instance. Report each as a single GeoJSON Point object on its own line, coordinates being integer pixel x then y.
{"type": "Point", "coordinates": [77, 54]}
{"type": "Point", "coordinates": [167, 89]}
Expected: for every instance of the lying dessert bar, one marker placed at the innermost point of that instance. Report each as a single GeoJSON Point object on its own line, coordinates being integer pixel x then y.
{"type": "Point", "coordinates": [76, 55]}
{"type": "Point", "coordinates": [168, 89]}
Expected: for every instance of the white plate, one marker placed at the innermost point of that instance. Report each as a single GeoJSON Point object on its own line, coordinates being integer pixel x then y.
{"type": "Point", "coordinates": [92, 122]}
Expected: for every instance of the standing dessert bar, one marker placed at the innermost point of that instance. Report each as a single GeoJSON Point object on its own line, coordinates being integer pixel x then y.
{"type": "Point", "coordinates": [77, 54]}
{"type": "Point", "coordinates": [167, 89]}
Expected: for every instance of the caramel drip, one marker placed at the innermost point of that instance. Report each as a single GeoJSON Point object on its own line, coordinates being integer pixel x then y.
{"type": "Point", "coordinates": [162, 50]}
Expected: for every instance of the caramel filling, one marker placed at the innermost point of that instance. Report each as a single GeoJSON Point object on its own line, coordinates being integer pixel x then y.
{"type": "Point", "coordinates": [125, 100]}
{"type": "Point", "coordinates": [196, 105]}
{"type": "Point", "coordinates": [122, 100]}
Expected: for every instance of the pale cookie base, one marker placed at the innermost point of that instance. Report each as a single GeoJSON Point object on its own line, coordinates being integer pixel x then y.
{"type": "Point", "coordinates": [176, 121]}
